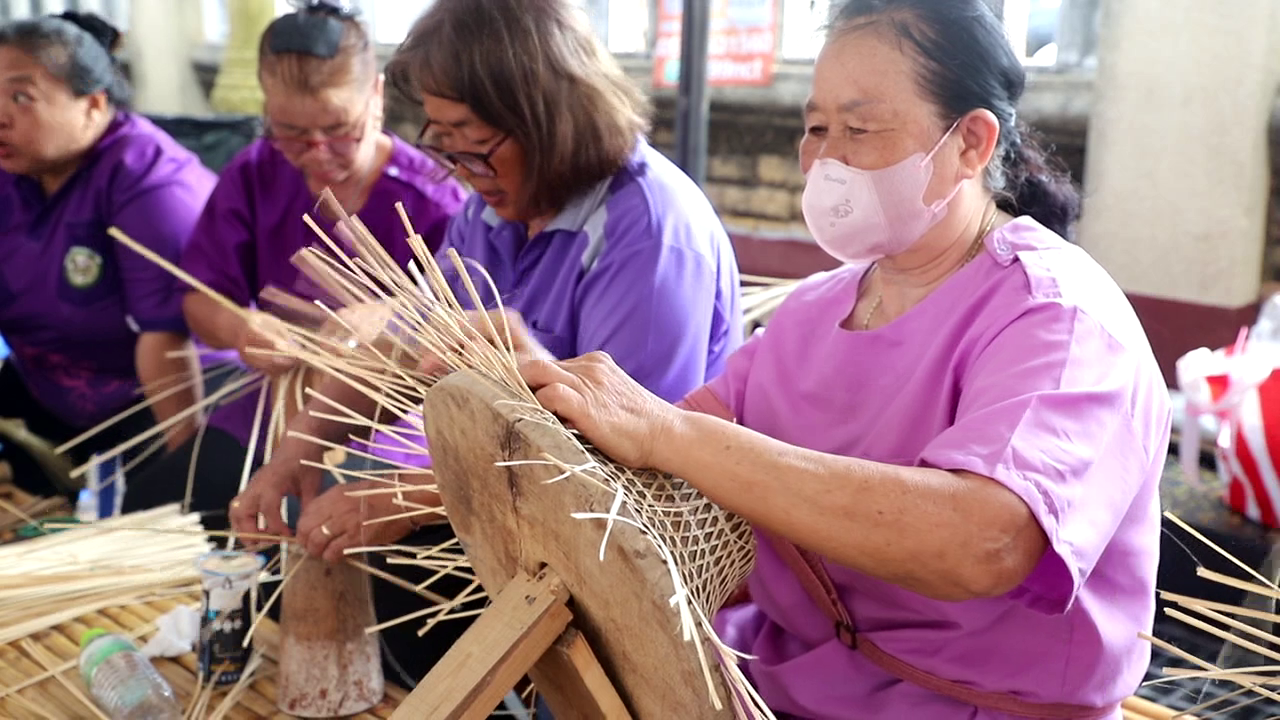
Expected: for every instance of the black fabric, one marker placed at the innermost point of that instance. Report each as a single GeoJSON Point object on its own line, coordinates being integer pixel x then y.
{"type": "Point", "coordinates": [16, 401]}
{"type": "Point", "coordinates": [415, 656]}
{"type": "Point", "coordinates": [214, 140]}
{"type": "Point", "coordinates": [219, 464]}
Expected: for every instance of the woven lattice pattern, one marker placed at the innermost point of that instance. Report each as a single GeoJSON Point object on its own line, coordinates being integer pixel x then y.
{"type": "Point", "coordinates": [713, 550]}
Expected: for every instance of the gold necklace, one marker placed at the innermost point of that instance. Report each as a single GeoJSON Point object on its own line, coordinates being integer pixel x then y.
{"type": "Point", "coordinates": [974, 249]}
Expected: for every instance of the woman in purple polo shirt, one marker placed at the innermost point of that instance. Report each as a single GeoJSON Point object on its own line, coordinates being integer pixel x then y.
{"type": "Point", "coordinates": [90, 323]}
{"type": "Point", "coordinates": [323, 107]}
{"type": "Point", "coordinates": [593, 236]}
{"type": "Point", "coordinates": [963, 429]}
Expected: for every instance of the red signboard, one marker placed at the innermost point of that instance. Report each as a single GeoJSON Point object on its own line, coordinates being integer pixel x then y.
{"type": "Point", "coordinates": [740, 50]}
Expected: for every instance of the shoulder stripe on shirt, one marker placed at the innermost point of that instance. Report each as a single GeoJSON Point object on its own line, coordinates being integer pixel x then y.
{"type": "Point", "coordinates": [586, 213]}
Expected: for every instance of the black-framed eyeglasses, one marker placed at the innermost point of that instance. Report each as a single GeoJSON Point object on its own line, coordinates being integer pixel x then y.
{"type": "Point", "coordinates": [474, 163]}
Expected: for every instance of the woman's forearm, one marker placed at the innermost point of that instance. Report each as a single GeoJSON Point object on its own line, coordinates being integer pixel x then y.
{"type": "Point", "coordinates": [306, 422]}
{"type": "Point", "coordinates": [165, 361]}
{"type": "Point", "coordinates": [945, 535]}
{"type": "Point", "coordinates": [213, 324]}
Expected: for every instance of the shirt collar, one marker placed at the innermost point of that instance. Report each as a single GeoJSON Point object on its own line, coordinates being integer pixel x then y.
{"type": "Point", "coordinates": [575, 214]}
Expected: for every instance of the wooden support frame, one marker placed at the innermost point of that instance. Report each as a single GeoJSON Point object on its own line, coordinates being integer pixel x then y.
{"type": "Point", "coordinates": [525, 632]}
{"type": "Point", "coordinates": [598, 636]}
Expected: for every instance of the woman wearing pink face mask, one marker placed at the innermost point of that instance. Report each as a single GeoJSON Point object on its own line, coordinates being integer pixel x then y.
{"type": "Point", "coordinates": [323, 108]}
{"type": "Point", "coordinates": [951, 446]}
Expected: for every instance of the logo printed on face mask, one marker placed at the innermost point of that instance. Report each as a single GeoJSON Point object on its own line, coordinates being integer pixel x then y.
{"type": "Point", "coordinates": [841, 211]}
{"type": "Point", "coordinates": [860, 216]}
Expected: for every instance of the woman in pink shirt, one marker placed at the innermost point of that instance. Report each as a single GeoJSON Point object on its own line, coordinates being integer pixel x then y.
{"type": "Point", "coordinates": [963, 428]}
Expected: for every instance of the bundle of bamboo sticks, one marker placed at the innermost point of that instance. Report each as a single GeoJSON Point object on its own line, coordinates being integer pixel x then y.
{"type": "Point", "coordinates": [129, 559]}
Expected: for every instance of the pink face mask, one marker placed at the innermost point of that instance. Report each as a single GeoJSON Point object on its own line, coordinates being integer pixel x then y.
{"type": "Point", "coordinates": [860, 216]}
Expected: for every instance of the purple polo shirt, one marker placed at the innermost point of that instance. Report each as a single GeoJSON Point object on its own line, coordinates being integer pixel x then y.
{"type": "Point", "coordinates": [72, 299]}
{"type": "Point", "coordinates": [638, 266]}
{"type": "Point", "coordinates": [253, 225]}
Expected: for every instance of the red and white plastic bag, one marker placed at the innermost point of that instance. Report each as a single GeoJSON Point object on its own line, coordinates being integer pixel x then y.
{"type": "Point", "coordinates": [1240, 387]}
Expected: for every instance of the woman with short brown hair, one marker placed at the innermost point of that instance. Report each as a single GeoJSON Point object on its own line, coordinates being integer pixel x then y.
{"type": "Point", "coordinates": [596, 239]}
{"type": "Point", "coordinates": [573, 115]}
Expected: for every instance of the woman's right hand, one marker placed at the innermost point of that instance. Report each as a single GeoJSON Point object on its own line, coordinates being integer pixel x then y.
{"type": "Point", "coordinates": [261, 332]}
{"type": "Point", "coordinates": [285, 475]}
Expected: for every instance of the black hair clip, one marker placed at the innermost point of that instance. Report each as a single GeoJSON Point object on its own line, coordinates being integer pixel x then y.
{"type": "Point", "coordinates": [314, 29]}
{"type": "Point", "coordinates": [336, 8]}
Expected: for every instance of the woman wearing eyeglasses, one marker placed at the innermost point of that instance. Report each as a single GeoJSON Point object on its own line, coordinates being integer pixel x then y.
{"type": "Point", "coordinates": [592, 236]}
{"type": "Point", "coordinates": [323, 115]}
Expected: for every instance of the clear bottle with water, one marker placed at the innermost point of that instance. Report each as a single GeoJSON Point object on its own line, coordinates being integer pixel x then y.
{"type": "Point", "coordinates": [122, 681]}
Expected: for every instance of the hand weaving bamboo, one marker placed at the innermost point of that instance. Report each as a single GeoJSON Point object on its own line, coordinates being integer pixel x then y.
{"type": "Point", "coordinates": [708, 552]}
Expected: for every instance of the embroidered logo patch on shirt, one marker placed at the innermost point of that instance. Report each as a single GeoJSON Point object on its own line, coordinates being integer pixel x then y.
{"type": "Point", "coordinates": [82, 267]}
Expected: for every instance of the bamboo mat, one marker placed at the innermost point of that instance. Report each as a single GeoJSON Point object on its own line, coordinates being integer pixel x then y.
{"type": "Point", "coordinates": [31, 658]}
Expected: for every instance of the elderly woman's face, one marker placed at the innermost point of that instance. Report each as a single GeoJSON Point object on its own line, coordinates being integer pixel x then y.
{"type": "Point", "coordinates": [867, 110]}
{"type": "Point", "coordinates": [42, 125]}
{"type": "Point", "coordinates": [325, 135]}
{"type": "Point", "coordinates": [453, 129]}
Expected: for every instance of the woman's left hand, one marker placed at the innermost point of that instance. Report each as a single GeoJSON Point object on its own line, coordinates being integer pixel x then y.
{"type": "Point", "coordinates": [598, 399]}
{"type": "Point", "coordinates": [333, 522]}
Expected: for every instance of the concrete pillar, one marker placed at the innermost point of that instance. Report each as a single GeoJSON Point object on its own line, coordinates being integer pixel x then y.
{"type": "Point", "coordinates": [160, 38]}
{"type": "Point", "coordinates": [236, 89]}
{"type": "Point", "coordinates": [1077, 35]}
{"type": "Point", "coordinates": [1178, 170]}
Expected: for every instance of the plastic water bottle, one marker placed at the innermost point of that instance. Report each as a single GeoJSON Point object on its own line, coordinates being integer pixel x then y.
{"type": "Point", "coordinates": [123, 682]}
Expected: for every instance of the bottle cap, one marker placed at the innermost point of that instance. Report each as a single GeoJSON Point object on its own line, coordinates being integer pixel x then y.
{"type": "Point", "coordinates": [90, 635]}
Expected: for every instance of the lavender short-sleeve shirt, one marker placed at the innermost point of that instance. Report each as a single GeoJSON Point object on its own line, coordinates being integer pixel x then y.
{"type": "Point", "coordinates": [1028, 366]}
{"type": "Point", "coordinates": [72, 300]}
{"type": "Point", "coordinates": [639, 266]}
{"type": "Point", "coordinates": [253, 226]}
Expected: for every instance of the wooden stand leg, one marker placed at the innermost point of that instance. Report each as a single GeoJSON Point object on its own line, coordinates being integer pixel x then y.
{"type": "Point", "coordinates": [574, 684]}
{"type": "Point", "coordinates": [525, 632]}
{"type": "Point", "coordinates": [491, 657]}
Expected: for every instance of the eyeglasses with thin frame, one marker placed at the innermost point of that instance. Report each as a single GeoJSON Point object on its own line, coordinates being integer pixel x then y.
{"type": "Point", "coordinates": [477, 164]}
{"type": "Point", "coordinates": [343, 143]}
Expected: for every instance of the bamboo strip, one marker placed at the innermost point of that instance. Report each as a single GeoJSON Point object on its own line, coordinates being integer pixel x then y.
{"type": "Point", "coordinates": [49, 663]}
